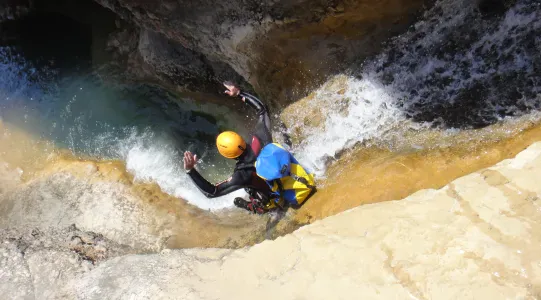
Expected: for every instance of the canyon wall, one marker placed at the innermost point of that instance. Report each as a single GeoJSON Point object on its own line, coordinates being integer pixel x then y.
{"type": "Point", "coordinates": [282, 48]}
{"type": "Point", "coordinates": [478, 237]}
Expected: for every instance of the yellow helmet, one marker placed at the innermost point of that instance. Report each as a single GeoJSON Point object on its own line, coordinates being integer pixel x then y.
{"type": "Point", "coordinates": [230, 144]}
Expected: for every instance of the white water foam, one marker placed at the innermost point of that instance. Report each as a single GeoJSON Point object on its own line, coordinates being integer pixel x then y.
{"type": "Point", "coordinates": [83, 117]}
{"type": "Point", "coordinates": [420, 80]}
{"type": "Point", "coordinates": [158, 164]}
{"type": "Point", "coordinates": [376, 108]}
{"type": "Point", "coordinates": [371, 112]}
{"type": "Point", "coordinates": [153, 159]}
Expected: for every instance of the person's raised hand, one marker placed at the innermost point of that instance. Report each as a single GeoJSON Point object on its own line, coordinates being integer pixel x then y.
{"type": "Point", "coordinates": [190, 160]}
{"type": "Point", "coordinates": [232, 89]}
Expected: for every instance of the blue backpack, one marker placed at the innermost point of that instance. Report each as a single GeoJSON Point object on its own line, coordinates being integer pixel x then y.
{"type": "Point", "coordinates": [288, 180]}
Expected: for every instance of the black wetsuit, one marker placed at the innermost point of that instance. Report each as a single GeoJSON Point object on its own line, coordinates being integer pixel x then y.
{"type": "Point", "coordinates": [244, 175]}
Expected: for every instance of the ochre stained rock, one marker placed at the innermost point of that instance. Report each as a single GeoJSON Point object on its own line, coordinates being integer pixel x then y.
{"type": "Point", "coordinates": [477, 238]}
{"type": "Point", "coordinates": [43, 188]}
{"type": "Point", "coordinates": [369, 175]}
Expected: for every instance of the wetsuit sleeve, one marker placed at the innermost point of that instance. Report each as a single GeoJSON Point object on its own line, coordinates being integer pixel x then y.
{"type": "Point", "coordinates": [223, 188]}
{"type": "Point", "coordinates": [254, 103]}
{"type": "Point", "coordinates": [262, 128]}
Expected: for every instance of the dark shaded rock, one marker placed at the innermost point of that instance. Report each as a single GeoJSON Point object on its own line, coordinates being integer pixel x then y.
{"type": "Point", "coordinates": [466, 65]}
{"type": "Point", "coordinates": [61, 35]}
{"type": "Point", "coordinates": [491, 8]}
{"type": "Point", "coordinates": [179, 65]}
{"type": "Point", "coordinates": [41, 38]}
{"type": "Point", "coordinates": [12, 9]}
{"type": "Point", "coordinates": [149, 56]}
{"type": "Point", "coordinates": [283, 48]}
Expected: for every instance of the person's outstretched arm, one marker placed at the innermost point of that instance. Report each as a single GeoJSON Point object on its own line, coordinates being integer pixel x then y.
{"type": "Point", "coordinates": [208, 189]}
{"type": "Point", "coordinates": [262, 128]}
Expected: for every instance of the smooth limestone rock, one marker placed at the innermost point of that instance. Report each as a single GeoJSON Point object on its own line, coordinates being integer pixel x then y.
{"type": "Point", "coordinates": [9, 177]}
{"type": "Point", "coordinates": [60, 200]}
{"type": "Point", "coordinates": [96, 210]}
{"type": "Point", "coordinates": [51, 270]}
{"type": "Point", "coordinates": [15, 277]}
{"type": "Point", "coordinates": [477, 238]}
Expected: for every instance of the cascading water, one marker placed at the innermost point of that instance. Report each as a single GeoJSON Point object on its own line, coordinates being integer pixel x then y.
{"type": "Point", "coordinates": [459, 68]}
{"type": "Point", "coordinates": [141, 125]}
{"type": "Point", "coordinates": [462, 66]}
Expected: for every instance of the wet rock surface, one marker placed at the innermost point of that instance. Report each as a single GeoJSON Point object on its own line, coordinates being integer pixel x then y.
{"type": "Point", "coordinates": [97, 211]}
{"type": "Point", "coordinates": [89, 246]}
{"type": "Point", "coordinates": [453, 70]}
{"type": "Point", "coordinates": [280, 47]}
{"type": "Point", "coordinates": [62, 200]}
{"type": "Point", "coordinates": [12, 9]}
{"type": "Point", "coordinates": [477, 237]}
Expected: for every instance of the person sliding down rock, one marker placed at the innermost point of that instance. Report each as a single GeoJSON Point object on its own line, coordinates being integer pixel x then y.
{"type": "Point", "coordinates": [233, 146]}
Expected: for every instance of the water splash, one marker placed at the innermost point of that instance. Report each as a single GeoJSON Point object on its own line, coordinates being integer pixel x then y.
{"type": "Point", "coordinates": [144, 126]}
{"type": "Point", "coordinates": [457, 68]}
{"type": "Point", "coordinates": [152, 159]}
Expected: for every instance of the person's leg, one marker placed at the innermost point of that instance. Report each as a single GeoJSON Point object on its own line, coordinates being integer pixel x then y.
{"type": "Point", "coordinates": [252, 206]}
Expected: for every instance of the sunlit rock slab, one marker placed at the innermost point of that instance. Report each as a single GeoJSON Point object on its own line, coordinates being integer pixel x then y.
{"type": "Point", "coordinates": [477, 238]}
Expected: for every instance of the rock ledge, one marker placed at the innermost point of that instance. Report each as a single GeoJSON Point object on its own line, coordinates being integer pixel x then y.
{"type": "Point", "coordinates": [477, 238]}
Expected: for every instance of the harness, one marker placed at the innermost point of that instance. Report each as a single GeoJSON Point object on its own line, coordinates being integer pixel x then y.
{"type": "Point", "coordinates": [254, 194]}
{"type": "Point", "coordinates": [289, 183]}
